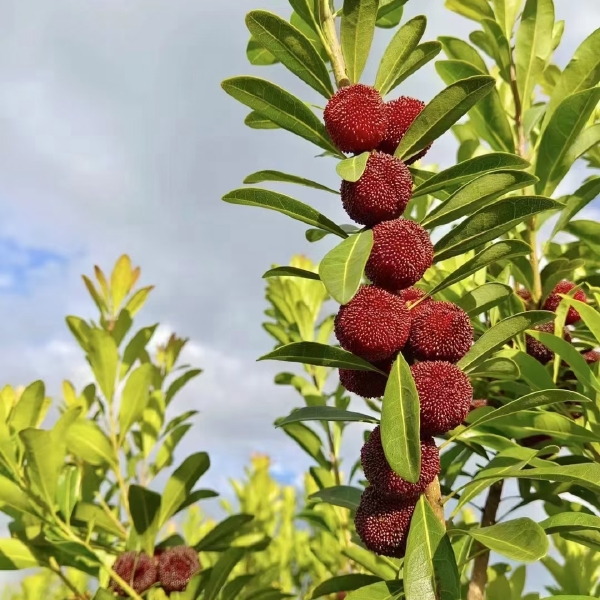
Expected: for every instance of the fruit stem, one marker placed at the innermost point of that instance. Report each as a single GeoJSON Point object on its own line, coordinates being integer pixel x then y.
{"type": "Point", "coordinates": [332, 46]}
{"type": "Point", "coordinates": [433, 493]}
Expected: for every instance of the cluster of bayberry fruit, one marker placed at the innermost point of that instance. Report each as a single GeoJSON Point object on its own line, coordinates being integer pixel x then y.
{"type": "Point", "coordinates": [172, 568]}
{"type": "Point", "coordinates": [390, 316]}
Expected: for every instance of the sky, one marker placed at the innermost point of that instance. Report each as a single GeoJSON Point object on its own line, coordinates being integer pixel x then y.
{"type": "Point", "coordinates": [115, 137]}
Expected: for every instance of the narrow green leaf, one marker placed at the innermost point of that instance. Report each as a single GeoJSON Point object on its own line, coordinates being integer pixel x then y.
{"type": "Point", "coordinates": [506, 12]}
{"type": "Point", "coordinates": [308, 440]}
{"type": "Point", "coordinates": [370, 561]}
{"type": "Point", "coordinates": [29, 407]}
{"type": "Point", "coordinates": [292, 48]}
{"type": "Point", "coordinates": [356, 34]}
{"type": "Point", "coordinates": [135, 348]}
{"type": "Point", "coordinates": [15, 555]}
{"type": "Point", "coordinates": [324, 413]}
{"type": "Point", "coordinates": [352, 169]}
{"type": "Point", "coordinates": [472, 9]}
{"type": "Point", "coordinates": [342, 268]}
{"type": "Point", "coordinates": [484, 298]}
{"type": "Point", "coordinates": [11, 496]}
{"type": "Point", "coordinates": [418, 58]}
{"type": "Point", "coordinates": [344, 583]}
{"type": "Point", "coordinates": [520, 539]}
{"type": "Point", "coordinates": [443, 112]}
{"type": "Point", "coordinates": [321, 355]}
{"type": "Point", "coordinates": [221, 570]}
{"type": "Point", "coordinates": [399, 49]}
{"type": "Point", "coordinates": [489, 223]}
{"type": "Point", "coordinates": [284, 204]}
{"type": "Point", "coordinates": [86, 513]}
{"type": "Point", "coordinates": [103, 594]}
{"type": "Point", "coordinates": [494, 338]}
{"type": "Point", "coordinates": [145, 511]}
{"type": "Point", "coordinates": [570, 521]}
{"type": "Point", "coordinates": [291, 272]}
{"type": "Point", "coordinates": [223, 532]}
{"type": "Point", "coordinates": [255, 120]}
{"type": "Point", "coordinates": [177, 385]}
{"type": "Point", "coordinates": [279, 177]}
{"type": "Point", "coordinates": [135, 397]}
{"type": "Point", "coordinates": [400, 422]}
{"type": "Point", "coordinates": [258, 55]}
{"type": "Point", "coordinates": [86, 440]}
{"type": "Point", "coordinates": [457, 49]}
{"type": "Point", "coordinates": [430, 570]}
{"type": "Point", "coordinates": [306, 11]}
{"type": "Point", "coordinates": [104, 358]}
{"type": "Point", "coordinates": [497, 368]}
{"type": "Point", "coordinates": [280, 107]}
{"type": "Point", "coordinates": [383, 590]}
{"type": "Point", "coordinates": [587, 232]}
{"type": "Point", "coordinates": [345, 496]}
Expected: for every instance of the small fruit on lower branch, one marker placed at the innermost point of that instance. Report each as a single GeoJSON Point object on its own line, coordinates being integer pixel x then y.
{"type": "Point", "coordinates": [136, 569]}
{"type": "Point", "coordinates": [553, 300]}
{"type": "Point", "coordinates": [367, 384]}
{"type": "Point", "coordinates": [176, 566]}
{"type": "Point", "coordinates": [535, 348]}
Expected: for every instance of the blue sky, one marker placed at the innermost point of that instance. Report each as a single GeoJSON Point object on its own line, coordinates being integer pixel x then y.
{"type": "Point", "coordinates": [115, 136]}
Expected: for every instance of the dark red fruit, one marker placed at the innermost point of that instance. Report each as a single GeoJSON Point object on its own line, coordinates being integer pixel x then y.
{"type": "Point", "coordinates": [176, 566]}
{"type": "Point", "coordinates": [440, 331]}
{"type": "Point", "coordinates": [445, 395]}
{"type": "Point", "coordinates": [382, 522]}
{"type": "Point", "coordinates": [591, 357]}
{"type": "Point", "coordinates": [373, 325]}
{"type": "Point", "coordinates": [379, 473]}
{"type": "Point", "coordinates": [524, 294]}
{"type": "Point", "coordinates": [400, 116]}
{"type": "Point", "coordinates": [412, 294]}
{"type": "Point", "coordinates": [356, 118]}
{"type": "Point", "coordinates": [366, 384]}
{"type": "Point", "coordinates": [136, 569]}
{"type": "Point", "coordinates": [553, 300]}
{"type": "Point", "coordinates": [535, 348]}
{"type": "Point", "coordinates": [381, 194]}
{"type": "Point", "coordinates": [402, 252]}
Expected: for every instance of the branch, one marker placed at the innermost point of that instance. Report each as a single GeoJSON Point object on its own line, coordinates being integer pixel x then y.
{"type": "Point", "coordinates": [334, 50]}
{"type": "Point", "coordinates": [433, 493]}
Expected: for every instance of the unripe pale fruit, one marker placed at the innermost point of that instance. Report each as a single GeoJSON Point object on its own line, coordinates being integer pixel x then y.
{"type": "Point", "coordinates": [402, 252]}
{"type": "Point", "coordinates": [381, 194]}
{"type": "Point", "coordinates": [356, 118]}
{"type": "Point", "coordinates": [374, 325]}
{"type": "Point", "coordinates": [440, 331]}
{"type": "Point", "coordinates": [382, 522]}
{"type": "Point", "coordinates": [445, 395]}
{"type": "Point", "coordinates": [553, 300]}
{"type": "Point", "coordinates": [367, 384]}
{"type": "Point", "coordinates": [535, 348]}
{"type": "Point", "coordinates": [176, 566]}
{"type": "Point", "coordinates": [379, 473]}
{"type": "Point", "coordinates": [136, 569]}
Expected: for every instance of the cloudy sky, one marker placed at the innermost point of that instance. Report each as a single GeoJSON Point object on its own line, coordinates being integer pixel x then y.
{"type": "Point", "coordinates": [115, 137]}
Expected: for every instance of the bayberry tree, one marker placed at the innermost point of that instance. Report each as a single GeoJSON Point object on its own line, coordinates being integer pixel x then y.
{"type": "Point", "coordinates": [450, 312]}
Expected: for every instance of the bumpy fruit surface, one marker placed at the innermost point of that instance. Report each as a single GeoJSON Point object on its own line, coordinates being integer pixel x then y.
{"type": "Point", "coordinates": [524, 294]}
{"type": "Point", "coordinates": [176, 566]}
{"type": "Point", "coordinates": [402, 252]}
{"type": "Point", "coordinates": [445, 395]}
{"type": "Point", "coordinates": [400, 116]}
{"type": "Point", "coordinates": [591, 357]}
{"type": "Point", "coordinates": [379, 473]}
{"type": "Point", "coordinates": [412, 294]}
{"type": "Point", "coordinates": [535, 348]}
{"type": "Point", "coordinates": [374, 325]}
{"type": "Point", "coordinates": [553, 300]}
{"type": "Point", "coordinates": [366, 384]}
{"type": "Point", "coordinates": [356, 118]}
{"type": "Point", "coordinates": [382, 522]}
{"type": "Point", "coordinates": [440, 331]}
{"type": "Point", "coordinates": [381, 194]}
{"type": "Point", "coordinates": [136, 569]}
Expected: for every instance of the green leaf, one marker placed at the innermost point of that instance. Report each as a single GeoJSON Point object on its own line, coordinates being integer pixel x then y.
{"type": "Point", "coordinates": [342, 268]}
{"type": "Point", "coordinates": [590, 316]}
{"type": "Point", "coordinates": [221, 571]}
{"type": "Point", "coordinates": [369, 561]}
{"type": "Point", "coordinates": [87, 441]}
{"type": "Point", "coordinates": [383, 590]}
{"type": "Point", "coordinates": [292, 48]}
{"type": "Point", "coordinates": [223, 532]}
{"type": "Point", "coordinates": [570, 597]}
{"type": "Point", "coordinates": [258, 55]}
{"type": "Point", "coordinates": [306, 11]}
{"type": "Point", "coordinates": [443, 112]}
{"type": "Point", "coordinates": [476, 194]}
{"type": "Point", "coordinates": [400, 422]}
{"type": "Point", "coordinates": [280, 107]}
{"type": "Point", "coordinates": [284, 204]}
{"type": "Point", "coordinates": [135, 348]}
{"type": "Point", "coordinates": [587, 232]}
{"type": "Point", "coordinates": [308, 440]}
{"type": "Point", "coordinates": [29, 407]}
{"type": "Point", "coordinates": [484, 298]}
{"type": "Point", "coordinates": [321, 355]}
{"type": "Point", "coordinates": [494, 338]}
{"type": "Point", "coordinates": [145, 511]}
{"type": "Point", "coordinates": [86, 513]}
{"type": "Point", "coordinates": [570, 521]}
{"type": "Point", "coordinates": [472, 9]}
{"type": "Point", "coordinates": [324, 413]}
{"type": "Point", "coordinates": [291, 272]}
{"type": "Point", "coordinates": [418, 58]}
{"type": "Point", "coordinates": [430, 570]}
{"type": "Point", "coordinates": [104, 359]}
{"type": "Point", "coordinates": [497, 368]}
{"type": "Point", "coordinates": [470, 169]}
{"type": "Point", "coordinates": [390, 13]}
{"type": "Point", "coordinates": [255, 120]}
{"type": "Point", "coordinates": [399, 49]}
{"type": "Point", "coordinates": [344, 583]}
{"type": "Point", "coordinates": [520, 539]}
{"type": "Point", "coordinates": [135, 397]}
{"type": "Point", "coordinates": [15, 555]}
{"type": "Point", "coordinates": [561, 134]}
{"type": "Point", "coordinates": [345, 496]}
{"type": "Point", "coordinates": [457, 49]}
{"type": "Point", "coordinates": [180, 484]}
{"type": "Point", "coordinates": [506, 12]}
{"type": "Point", "coordinates": [501, 52]}
{"type": "Point", "coordinates": [489, 223]}
{"type": "Point", "coordinates": [352, 169]}
{"type": "Point", "coordinates": [13, 497]}
{"type": "Point", "coordinates": [356, 34]}
{"type": "Point", "coordinates": [278, 176]}
{"type": "Point", "coordinates": [103, 594]}
{"type": "Point", "coordinates": [498, 251]}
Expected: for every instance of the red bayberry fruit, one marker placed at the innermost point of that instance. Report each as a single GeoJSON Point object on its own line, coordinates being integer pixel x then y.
{"type": "Point", "coordinates": [445, 395]}
{"type": "Point", "coordinates": [535, 348]}
{"type": "Point", "coordinates": [412, 294]}
{"type": "Point", "coordinates": [379, 473]}
{"type": "Point", "coordinates": [381, 194]}
{"type": "Point", "coordinates": [367, 384]}
{"type": "Point", "coordinates": [382, 522]}
{"type": "Point", "coordinates": [440, 331]}
{"type": "Point", "coordinates": [524, 294]}
{"type": "Point", "coordinates": [400, 116]}
{"type": "Point", "coordinates": [355, 118]}
{"type": "Point", "coordinates": [553, 300]}
{"type": "Point", "coordinates": [176, 566]}
{"type": "Point", "coordinates": [373, 325]}
{"type": "Point", "coordinates": [591, 357]}
{"type": "Point", "coordinates": [136, 569]}
{"type": "Point", "coordinates": [402, 252]}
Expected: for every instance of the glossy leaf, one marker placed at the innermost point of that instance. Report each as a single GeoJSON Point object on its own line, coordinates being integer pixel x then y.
{"type": "Point", "coordinates": [145, 511]}
{"type": "Point", "coordinates": [390, 13]}
{"type": "Point", "coordinates": [223, 532]}
{"type": "Point", "coordinates": [135, 397]}
{"type": "Point", "coordinates": [258, 55]}
{"type": "Point", "coordinates": [370, 561]}
{"type": "Point", "coordinates": [11, 496]}
{"type": "Point", "coordinates": [418, 58]}
{"type": "Point", "coordinates": [104, 358]}
{"type": "Point", "coordinates": [484, 297]}
{"type": "Point", "coordinates": [344, 583]}
{"type": "Point", "coordinates": [383, 590]}
{"type": "Point", "coordinates": [15, 555]}
{"type": "Point", "coordinates": [86, 513]}
{"type": "Point", "coordinates": [342, 495]}
{"type": "Point", "coordinates": [356, 34]}
{"type": "Point", "coordinates": [497, 368]}
{"type": "Point", "coordinates": [457, 49]}
{"type": "Point", "coordinates": [221, 571]}
{"type": "Point", "coordinates": [472, 9]}
{"type": "Point", "coordinates": [86, 440]}
{"type": "Point", "coordinates": [590, 316]}
{"type": "Point", "coordinates": [284, 204]}
{"type": "Point", "coordinates": [291, 272]}
{"type": "Point", "coordinates": [570, 521]}
{"type": "Point", "coordinates": [279, 177]}
{"type": "Point", "coordinates": [352, 169]}
{"type": "Point", "coordinates": [307, 439]}
{"type": "Point", "coordinates": [255, 120]}
{"type": "Point", "coordinates": [29, 407]}
{"type": "Point", "coordinates": [324, 413]}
